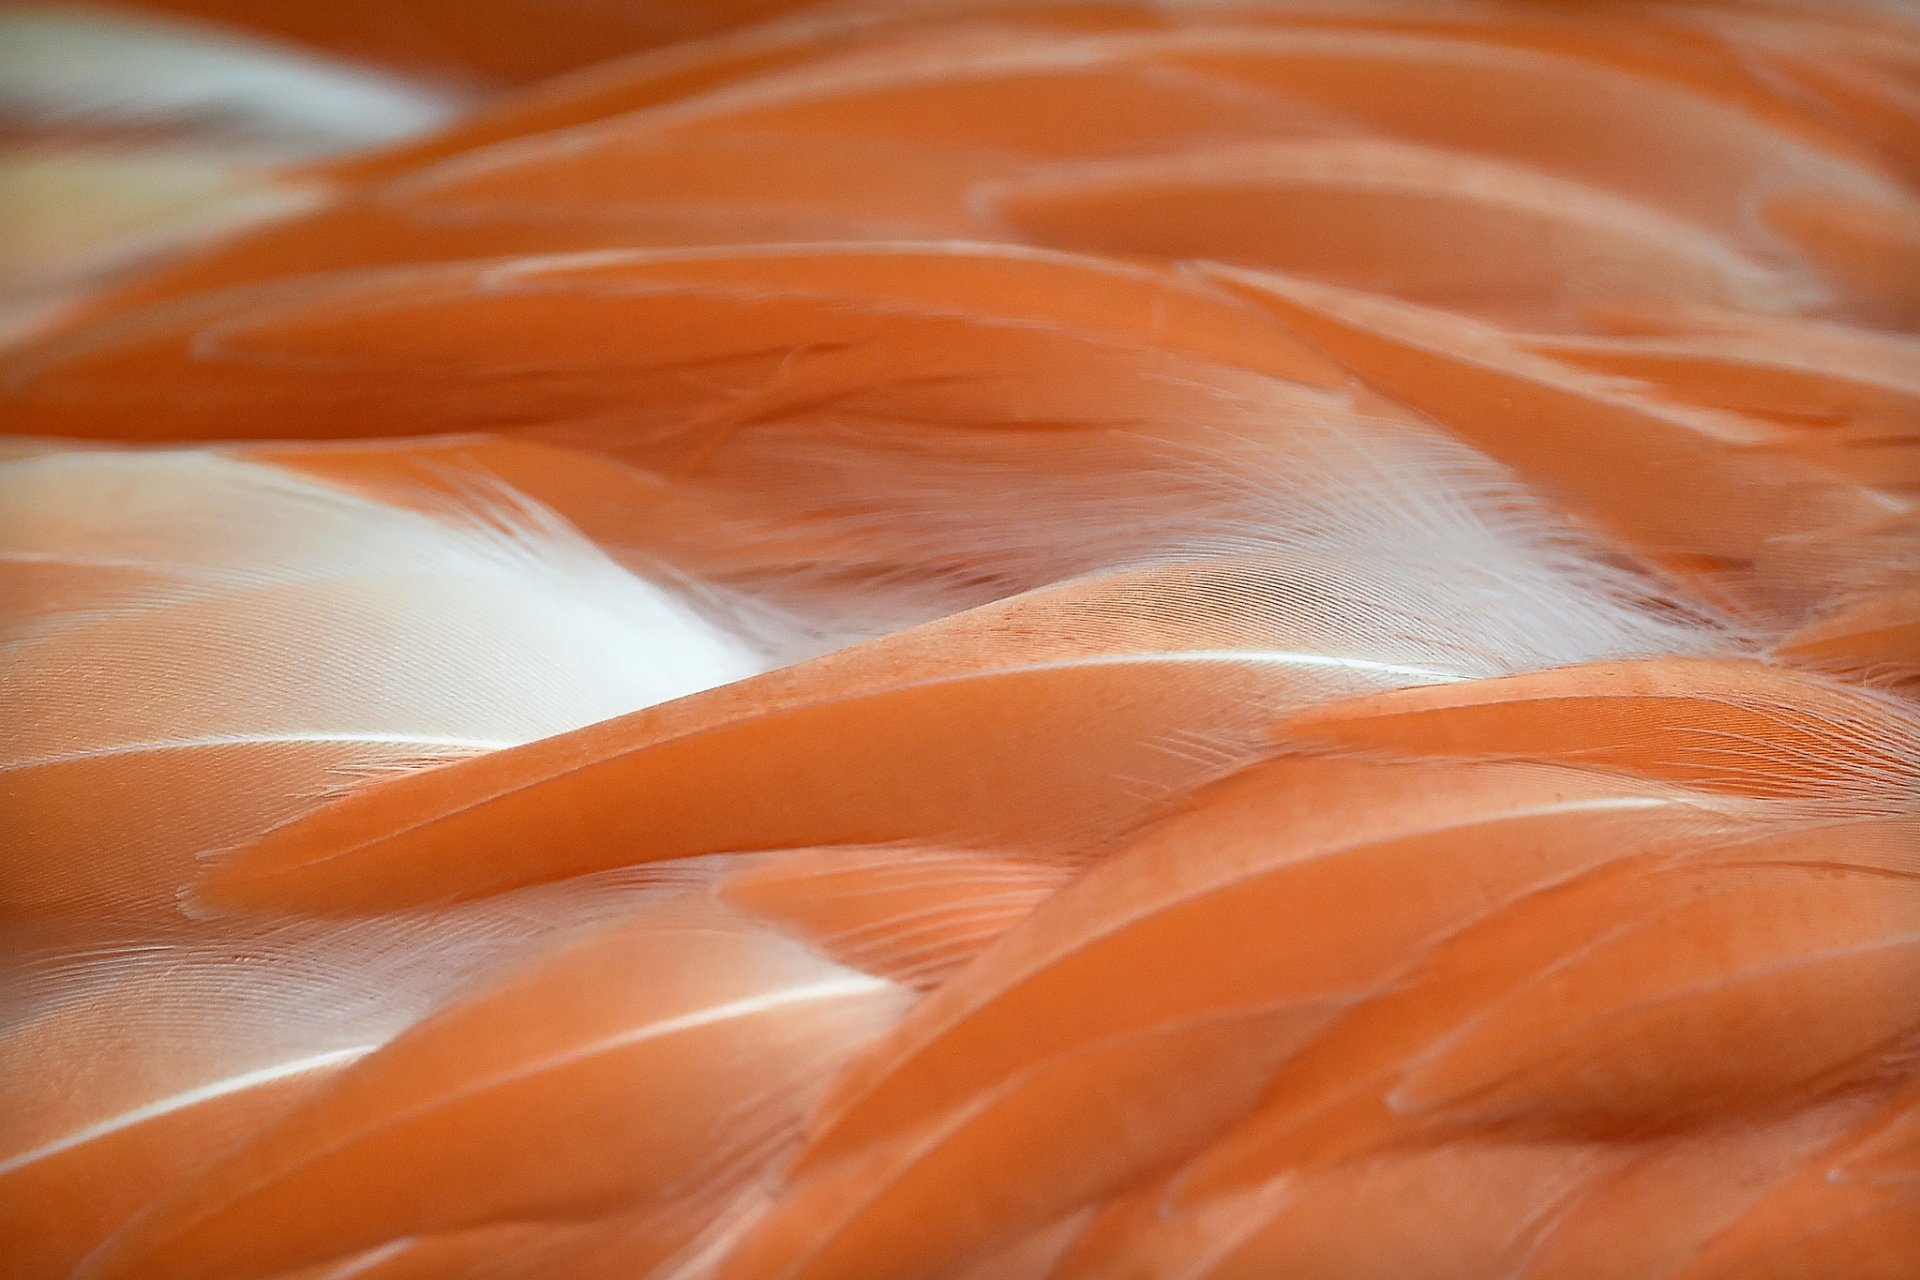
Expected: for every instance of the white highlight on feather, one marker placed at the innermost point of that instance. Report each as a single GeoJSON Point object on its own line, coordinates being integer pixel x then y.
{"type": "Point", "coordinates": [362, 1263]}
{"type": "Point", "coordinates": [74, 62]}
{"type": "Point", "coordinates": [150, 1028]}
{"type": "Point", "coordinates": [436, 743]}
{"type": "Point", "coordinates": [1393, 673]}
{"type": "Point", "coordinates": [766, 1002]}
{"type": "Point", "coordinates": [277, 609]}
{"type": "Point", "coordinates": [189, 1098]}
{"type": "Point", "coordinates": [840, 987]}
{"type": "Point", "coordinates": [1425, 553]}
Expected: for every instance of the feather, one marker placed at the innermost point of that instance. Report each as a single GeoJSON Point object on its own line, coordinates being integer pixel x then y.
{"type": "Point", "coordinates": [1075, 1126]}
{"type": "Point", "coordinates": [131, 136]}
{"type": "Point", "coordinates": [66, 61]}
{"type": "Point", "coordinates": [707, 143]}
{"type": "Point", "coordinates": [937, 730]}
{"type": "Point", "coordinates": [1144, 936]}
{"type": "Point", "coordinates": [170, 659]}
{"type": "Point", "coordinates": [982, 640]}
{"type": "Point", "coordinates": [140, 1059]}
{"type": "Point", "coordinates": [1735, 727]}
{"type": "Point", "coordinates": [1754, 528]}
{"type": "Point", "coordinates": [1500, 242]}
{"type": "Point", "coordinates": [721, 1037]}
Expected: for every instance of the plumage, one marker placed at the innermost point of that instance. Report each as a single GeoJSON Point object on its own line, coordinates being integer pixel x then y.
{"type": "Point", "coordinates": [723, 1029]}
{"type": "Point", "coordinates": [152, 660]}
{"type": "Point", "coordinates": [970, 640]}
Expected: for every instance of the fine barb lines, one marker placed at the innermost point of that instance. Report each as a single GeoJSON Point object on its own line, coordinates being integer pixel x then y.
{"type": "Point", "coordinates": [960, 640]}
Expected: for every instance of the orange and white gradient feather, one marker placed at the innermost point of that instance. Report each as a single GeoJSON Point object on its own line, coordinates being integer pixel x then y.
{"type": "Point", "coordinates": [960, 640]}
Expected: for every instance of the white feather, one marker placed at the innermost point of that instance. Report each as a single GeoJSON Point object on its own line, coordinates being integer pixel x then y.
{"type": "Point", "coordinates": [254, 605]}
{"type": "Point", "coordinates": [77, 63]}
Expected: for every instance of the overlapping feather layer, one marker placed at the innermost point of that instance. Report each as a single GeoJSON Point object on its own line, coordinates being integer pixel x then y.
{"type": "Point", "coordinates": [991, 642]}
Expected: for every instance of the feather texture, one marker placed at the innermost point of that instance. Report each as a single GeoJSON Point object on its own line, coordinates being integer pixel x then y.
{"type": "Point", "coordinates": [980, 641]}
